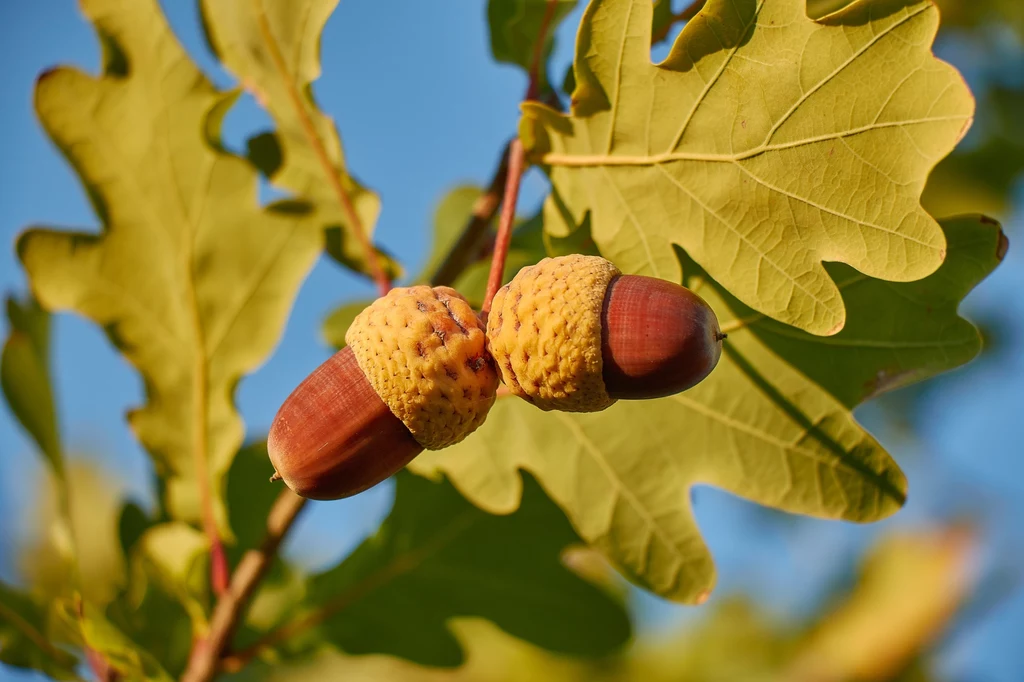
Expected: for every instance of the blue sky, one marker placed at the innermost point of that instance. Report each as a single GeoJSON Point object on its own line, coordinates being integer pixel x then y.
{"type": "Point", "coordinates": [422, 107]}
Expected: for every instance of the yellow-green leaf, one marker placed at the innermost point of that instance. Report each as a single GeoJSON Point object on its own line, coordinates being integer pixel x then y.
{"type": "Point", "coordinates": [765, 144]}
{"type": "Point", "coordinates": [273, 47]}
{"type": "Point", "coordinates": [191, 279]}
{"type": "Point", "coordinates": [773, 423]}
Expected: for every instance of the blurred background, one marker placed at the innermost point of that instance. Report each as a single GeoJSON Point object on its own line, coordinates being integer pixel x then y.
{"type": "Point", "coordinates": [943, 576]}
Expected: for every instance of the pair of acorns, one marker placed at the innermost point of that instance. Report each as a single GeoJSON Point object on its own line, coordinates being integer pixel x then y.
{"type": "Point", "coordinates": [420, 370]}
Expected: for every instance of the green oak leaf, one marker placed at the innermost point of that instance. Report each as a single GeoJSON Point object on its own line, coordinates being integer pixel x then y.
{"type": "Point", "coordinates": [25, 640]}
{"type": "Point", "coordinates": [773, 423]}
{"type": "Point", "coordinates": [765, 144]}
{"type": "Point", "coordinates": [515, 26]}
{"type": "Point", "coordinates": [273, 47]}
{"type": "Point", "coordinates": [437, 557]}
{"type": "Point", "coordinates": [25, 378]}
{"type": "Point", "coordinates": [191, 279]}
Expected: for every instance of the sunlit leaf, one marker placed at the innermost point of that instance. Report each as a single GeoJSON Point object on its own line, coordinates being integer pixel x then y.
{"type": "Point", "coordinates": [24, 636]}
{"type": "Point", "coordinates": [765, 144]}
{"type": "Point", "coordinates": [772, 423]}
{"type": "Point", "coordinates": [191, 279]}
{"type": "Point", "coordinates": [273, 47]}
{"type": "Point", "coordinates": [437, 557]}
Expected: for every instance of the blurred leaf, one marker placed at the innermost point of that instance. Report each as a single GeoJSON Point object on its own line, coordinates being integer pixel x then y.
{"type": "Point", "coordinates": [24, 636]}
{"type": "Point", "coordinates": [771, 424]}
{"type": "Point", "coordinates": [971, 13]}
{"type": "Point", "coordinates": [526, 248]}
{"type": "Point", "coordinates": [981, 177]}
{"type": "Point", "coordinates": [153, 616]}
{"type": "Point", "coordinates": [912, 585]}
{"type": "Point", "coordinates": [190, 278]}
{"type": "Point", "coordinates": [273, 47]}
{"type": "Point", "coordinates": [699, 150]}
{"type": "Point", "coordinates": [337, 323]}
{"type": "Point", "coordinates": [437, 557]}
{"type": "Point", "coordinates": [25, 377]}
{"type": "Point", "coordinates": [450, 218]}
{"type": "Point", "coordinates": [175, 556]}
{"type": "Point", "coordinates": [49, 560]}
{"type": "Point", "coordinates": [250, 496]}
{"type": "Point", "coordinates": [515, 26]}
{"type": "Point", "coordinates": [126, 657]}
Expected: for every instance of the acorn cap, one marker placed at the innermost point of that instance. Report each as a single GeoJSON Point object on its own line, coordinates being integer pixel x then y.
{"type": "Point", "coordinates": [423, 350]}
{"type": "Point", "coordinates": [544, 331]}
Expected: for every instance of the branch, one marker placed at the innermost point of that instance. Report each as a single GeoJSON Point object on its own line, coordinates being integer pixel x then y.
{"type": "Point", "coordinates": [206, 654]}
{"type": "Point", "coordinates": [467, 249]}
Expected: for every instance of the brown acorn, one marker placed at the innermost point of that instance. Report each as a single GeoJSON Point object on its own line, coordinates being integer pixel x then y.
{"type": "Point", "coordinates": [415, 375]}
{"type": "Point", "coordinates": [658, 338]}
{"type": "Point", "coordinates": [334, 436]}
{"type": "Point", "coordinates": [574, 334]}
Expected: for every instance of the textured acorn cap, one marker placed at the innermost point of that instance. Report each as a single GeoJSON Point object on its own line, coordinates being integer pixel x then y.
{"type": "Point", "coordinates": [424, 352]}
{"type": "Point", "coordinates": [544, 332]}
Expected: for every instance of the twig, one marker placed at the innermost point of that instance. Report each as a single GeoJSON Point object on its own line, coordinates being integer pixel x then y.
{"type": "Point", "coordinates": [333, 177]}
{"type": "Point", "coordinates": [467, 248]}
{"type": "Point", "coordinates": [206, 654]}
{"type": "Point", "coordinates": [516, 161]}
{"type": "Point", "coordinates": [687, 13]}
{"type": "Point", "coordinates": [516, 166]}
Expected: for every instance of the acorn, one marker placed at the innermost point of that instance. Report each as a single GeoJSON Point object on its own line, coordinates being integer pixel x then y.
{"type": "Point", "coordinates": [575, 334]}
{"type": "Point", "coordinates": [415, 375]}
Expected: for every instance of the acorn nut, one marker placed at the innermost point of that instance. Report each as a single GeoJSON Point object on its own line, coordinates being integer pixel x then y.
{"type": "Point", "coordinates": [415, 375]}
{"type": "Point", "coordinates": [574, 334]}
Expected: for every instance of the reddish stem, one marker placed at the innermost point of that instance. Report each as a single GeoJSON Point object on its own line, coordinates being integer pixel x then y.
{"type": "Point", "coordinates": [516, 165]}
{"type": "Point", "coordinates": [206, 653]}
{"type": "Point", "coordinates": [220, 571]}
{"type": "Point", "coordinates": [516, 161]}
